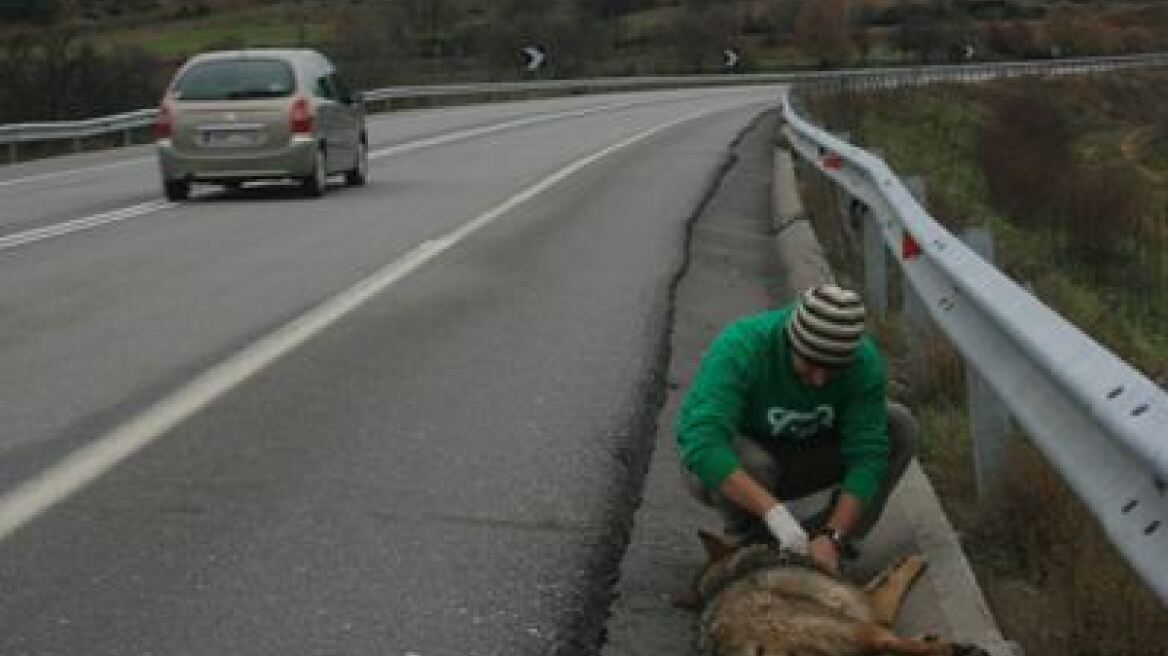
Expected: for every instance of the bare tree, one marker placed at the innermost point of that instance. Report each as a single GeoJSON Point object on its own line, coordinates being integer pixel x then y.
{"type": "Point", "coordinates": [1012, 38]}
{"type": "Point", "coordinates": [921, 31]}
{"type": "Point", "coordinates": [940, 31]}
{"type": "Point", "coordinates": [700, 34]}
{"type": "Point", "coordinates": [823, 30]}
{"type": "Point", "coordinates": [28, 11]}
{"type": "Point", "coordinates": [17, 76]}
{"type": "Point", "coordinates": [58, 73]}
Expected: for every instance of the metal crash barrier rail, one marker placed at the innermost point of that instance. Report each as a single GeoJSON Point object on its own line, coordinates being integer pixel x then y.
{"type": "Point", "coordinates": [1100, 423]}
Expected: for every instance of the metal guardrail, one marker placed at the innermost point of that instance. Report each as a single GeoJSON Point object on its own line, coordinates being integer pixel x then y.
{"type": "Point", "coordinates": [1099, 422]}
{"type": "Point", "coordinates": [376, 99]}
{"type": "Point", "coordinates": [75, 130]}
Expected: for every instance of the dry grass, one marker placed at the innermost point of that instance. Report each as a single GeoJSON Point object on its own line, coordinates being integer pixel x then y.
{"type": "Point", "coordinates": [1051, 559]}
{"type": "Point", "coordinates": [1056, 584]}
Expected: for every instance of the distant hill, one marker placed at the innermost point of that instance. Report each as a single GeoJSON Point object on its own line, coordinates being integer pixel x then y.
{"type": "Point", "coordinates": [58, 50]}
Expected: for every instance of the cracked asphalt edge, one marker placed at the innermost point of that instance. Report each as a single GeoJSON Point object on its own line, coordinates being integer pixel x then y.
{"type": "Point", "coordinates": [585, 633]}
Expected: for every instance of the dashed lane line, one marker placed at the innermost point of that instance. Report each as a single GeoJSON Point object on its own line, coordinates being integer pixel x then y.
{"type": "Point", "coordinates": [14, 240]}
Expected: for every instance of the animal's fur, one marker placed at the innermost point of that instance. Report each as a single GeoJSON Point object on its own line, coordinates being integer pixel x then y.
{"type": "Point", "coordinates": [760, 601]}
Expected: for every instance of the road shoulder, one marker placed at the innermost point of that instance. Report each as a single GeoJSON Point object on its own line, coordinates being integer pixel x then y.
{"type": "Point", "coordinates": [736, 265]}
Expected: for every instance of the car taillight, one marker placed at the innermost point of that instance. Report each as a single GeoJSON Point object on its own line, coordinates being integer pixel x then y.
{"type": "Point", "coordinates": [164, 124]}
{"type": "Point", "coordinates": [301, 116]}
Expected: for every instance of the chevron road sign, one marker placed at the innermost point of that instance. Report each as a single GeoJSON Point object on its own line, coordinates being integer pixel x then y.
{"type": "Point", "coordinates": [535, 57]}
{"type": "Point", "coordinates": [732, 58]}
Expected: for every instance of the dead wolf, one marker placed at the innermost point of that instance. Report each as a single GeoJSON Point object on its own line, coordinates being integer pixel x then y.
{"type": "Point", "coordinates": [758, 600]}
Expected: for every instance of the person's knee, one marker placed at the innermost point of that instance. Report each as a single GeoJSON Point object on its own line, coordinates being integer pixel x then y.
{"type": "Point", "coordinates": [696, 488]}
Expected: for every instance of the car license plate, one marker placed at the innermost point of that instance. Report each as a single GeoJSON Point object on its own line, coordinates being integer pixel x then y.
{"type": "Point", "coordinates": [230, 138]}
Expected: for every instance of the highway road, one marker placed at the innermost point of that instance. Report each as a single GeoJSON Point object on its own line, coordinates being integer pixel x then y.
{"type": "Point", "coordinates": [406, 418]}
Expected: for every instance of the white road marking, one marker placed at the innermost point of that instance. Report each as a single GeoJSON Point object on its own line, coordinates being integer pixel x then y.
{"type": "Point", "coordinates": [134, 211]}
{"type": "Point", "coordinates": [488, 129]}
{"type": "Point", "coordinates": [394, 150]}
{"type": "Point", "coordinates": [34, 497]}
{"type": "Point", "coordinates": [61, 174]}
{"type": "Point", "coordinates": [59, 229]}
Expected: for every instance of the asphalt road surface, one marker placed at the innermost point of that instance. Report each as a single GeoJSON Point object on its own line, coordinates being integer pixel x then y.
{"type": "Point", "coordinates": [406, 418]}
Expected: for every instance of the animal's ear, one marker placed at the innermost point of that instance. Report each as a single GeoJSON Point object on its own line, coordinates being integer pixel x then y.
{"type": "Point", "coordinates": [716, 545]}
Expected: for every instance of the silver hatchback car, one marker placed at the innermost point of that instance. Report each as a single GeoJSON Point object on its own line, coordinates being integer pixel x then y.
{"type": "Point", "coordinates": [262, 114]}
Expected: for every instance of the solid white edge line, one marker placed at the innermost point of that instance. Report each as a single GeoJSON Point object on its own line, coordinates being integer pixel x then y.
{"type": "Point", "coordinates": [85, 169]}
{"type": "Point", "coordinates": [470, 133]}
{"type": "Point", "coordinates": [76, 470]}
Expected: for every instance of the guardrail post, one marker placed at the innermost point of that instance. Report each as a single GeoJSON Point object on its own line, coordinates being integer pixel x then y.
{"type": "Point", "coordinates": [848, 220]}
{"type": "Point", "coordinates": [917, 325]}
{"type": "Point", "coordinates": [989, 420]}
{"type": "Point", "coordinates": [875, 263]}
{"type": "Point", "coordinates": [128, 137]}
{"type": "Point", "coordinates": [12, 152]}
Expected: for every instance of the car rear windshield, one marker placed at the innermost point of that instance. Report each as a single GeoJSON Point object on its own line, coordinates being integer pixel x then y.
{"type": "Point", "coordinates": [236, 79]}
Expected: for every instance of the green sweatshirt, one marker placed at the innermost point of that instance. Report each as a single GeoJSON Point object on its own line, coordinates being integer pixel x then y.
{"type": "Point", "coordinates": [747, 386]}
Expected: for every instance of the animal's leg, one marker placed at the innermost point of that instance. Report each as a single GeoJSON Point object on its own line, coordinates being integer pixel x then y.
{"type": "Point", "coordinates": [877, 580]}
{"type": "Point", "coordinates": [717, 547]}
{"type": "Point", "coordinates": [876, 639]}
{"type": "Point", "coordinates": [886, 593]}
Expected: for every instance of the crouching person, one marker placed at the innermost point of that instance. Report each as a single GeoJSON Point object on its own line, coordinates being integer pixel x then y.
{"type": "Point", "coordinates": [788, 403]}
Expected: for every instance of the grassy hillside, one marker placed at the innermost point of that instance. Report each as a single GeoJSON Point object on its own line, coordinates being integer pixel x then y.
{"type": "Point", "coordinates": [770, 33]}
{"type": "Point", "coordinates": [74, 58]}
{"type": "Point", "coordinates": [178, 38]}
{"type": "Point", "coordinates": [72, 61]}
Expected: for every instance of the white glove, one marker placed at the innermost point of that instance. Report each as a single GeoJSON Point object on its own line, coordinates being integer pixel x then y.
{"type": "Point", "coordinates": [786, 529]}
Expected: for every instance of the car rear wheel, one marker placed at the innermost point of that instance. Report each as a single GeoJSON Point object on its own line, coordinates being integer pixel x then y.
{"type": "Point", "coordinates": [356, 176]}
{"type": "Point", "coordinates": [313, 186]}
{"type": "Point", "coordinates": [176, 190]}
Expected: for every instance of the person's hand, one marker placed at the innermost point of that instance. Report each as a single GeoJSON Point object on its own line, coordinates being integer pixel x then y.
{"type": "Point", "coordinates": [786, 529]}
{"type": "Point", "coordinates": [824, 552]}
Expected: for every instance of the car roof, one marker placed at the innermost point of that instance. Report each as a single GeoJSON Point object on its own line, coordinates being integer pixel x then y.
{"type": "Point", "coordinates": [299, 55]}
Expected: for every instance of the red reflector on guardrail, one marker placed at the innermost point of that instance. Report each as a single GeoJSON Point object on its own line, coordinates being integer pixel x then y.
{"type": "Point", "coordinates": [909, 248]}
{"type": "Point", "coordinates": [833, 162]}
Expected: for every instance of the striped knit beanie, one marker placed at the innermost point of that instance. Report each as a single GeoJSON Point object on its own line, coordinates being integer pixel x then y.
{"type": "Point", "coordinates": [826, 327]}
